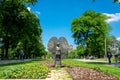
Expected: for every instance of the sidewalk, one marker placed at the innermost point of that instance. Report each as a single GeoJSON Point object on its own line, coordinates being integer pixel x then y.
{"type": "Point", "coordinates": [99, 62]}
{"type": "Point", "coordinates": [60, 74]}
{"type": "Point", "coordinates": [13, 61]}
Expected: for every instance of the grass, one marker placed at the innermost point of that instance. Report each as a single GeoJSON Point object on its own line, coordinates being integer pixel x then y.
{"type": "Point", "coordinates": [115, 71]}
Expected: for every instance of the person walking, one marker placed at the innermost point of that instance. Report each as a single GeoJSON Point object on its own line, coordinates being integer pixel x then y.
{"type": "Point", "coordinates": [109, 56]}
{"type": "Point", "coordinates": [22, 55]}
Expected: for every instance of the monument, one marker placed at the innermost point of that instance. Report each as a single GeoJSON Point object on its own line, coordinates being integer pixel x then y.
{"type": "Point", "coordinates": [58, 48]}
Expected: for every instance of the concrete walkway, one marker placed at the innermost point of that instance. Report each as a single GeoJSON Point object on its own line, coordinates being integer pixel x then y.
{"type": "Point", "coordinates": [60, 74]}
{"type": "Point", "coordinates": [99, 62]}
{"type": "Point", "coordinates": [13, 61]}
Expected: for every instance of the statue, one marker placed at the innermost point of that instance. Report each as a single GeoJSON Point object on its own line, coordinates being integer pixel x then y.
{"type": "Point", "coordinates": [58, 48]}
{"type": "Point", "coordinates": [58, 55]}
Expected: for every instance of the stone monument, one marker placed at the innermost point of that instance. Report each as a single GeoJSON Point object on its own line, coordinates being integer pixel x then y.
{"type": "Point", "coordinates": [58, 55]}
{"type": "Point", "coordinates": [58, 48]}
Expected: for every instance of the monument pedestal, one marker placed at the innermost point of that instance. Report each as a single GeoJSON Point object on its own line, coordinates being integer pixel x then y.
{"type": "Point", "coordinates": [58, 60]}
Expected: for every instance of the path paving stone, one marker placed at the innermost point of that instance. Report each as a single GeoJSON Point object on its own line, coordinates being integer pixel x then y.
{"type": "Point", "coordinates": [60, 74]}
{"type": "Point", "coordinates": [101, 62]}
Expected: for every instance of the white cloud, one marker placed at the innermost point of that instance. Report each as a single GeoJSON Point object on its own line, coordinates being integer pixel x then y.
{"type": "Point", "coordinates": [29, 9]}
{"type": "Point", "coordinates": [113, 17]}
{"type": "Point", "coordinates": [118, 38]}
{"type": "Point", "coordinates": [37, 12]}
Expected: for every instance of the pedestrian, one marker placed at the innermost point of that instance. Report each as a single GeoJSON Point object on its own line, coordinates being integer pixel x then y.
{"type": "Point", "coordinates": [109, 56]}
{"type": "Point", "coordinates": [22, 55]}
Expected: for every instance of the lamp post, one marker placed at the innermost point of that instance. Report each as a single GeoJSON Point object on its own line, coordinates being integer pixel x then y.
{"type": "Point", "coordinates": [105, 48]}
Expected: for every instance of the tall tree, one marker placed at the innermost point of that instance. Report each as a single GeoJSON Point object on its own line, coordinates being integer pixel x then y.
{"type": "Point", "coordinates": [90, 30]}
{"type": "Point", "coordinates": [18, 24]}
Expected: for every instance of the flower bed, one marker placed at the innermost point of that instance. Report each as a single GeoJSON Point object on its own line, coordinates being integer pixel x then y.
{"type": "Point", "coordinates": [27, 71]}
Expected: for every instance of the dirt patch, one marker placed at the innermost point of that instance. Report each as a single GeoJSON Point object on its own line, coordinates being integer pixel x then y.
{"type": "Point", "coordinates": [50, 64]}
{"type": "Point", "coordinates": [82, 73]}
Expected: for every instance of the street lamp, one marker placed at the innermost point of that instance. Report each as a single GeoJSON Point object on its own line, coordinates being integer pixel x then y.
{"type": "Point", "coordinates": [105, 48]}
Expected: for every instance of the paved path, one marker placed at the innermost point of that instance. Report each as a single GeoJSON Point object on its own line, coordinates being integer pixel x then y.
{"type": "Point", "coordinates": [13, 61]}
{"type": "Point", "coordinates": [60, 74]}
{"type": "Point", "coordinates": [101, 62]}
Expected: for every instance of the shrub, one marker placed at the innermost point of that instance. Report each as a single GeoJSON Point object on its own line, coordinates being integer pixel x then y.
{"type": "Point", "coordinates": [72, 54]}
{"type": "Point", "coordinates": [27, 71]}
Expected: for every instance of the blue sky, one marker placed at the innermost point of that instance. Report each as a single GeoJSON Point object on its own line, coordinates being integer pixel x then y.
{"type": "Point", "coordinates": [56, 16]}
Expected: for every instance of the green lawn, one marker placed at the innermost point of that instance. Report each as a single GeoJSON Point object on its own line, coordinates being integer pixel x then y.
{"type": "Point", "coordinates": [115, 71]}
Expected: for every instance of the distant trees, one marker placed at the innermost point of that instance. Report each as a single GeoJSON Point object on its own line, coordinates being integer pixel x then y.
{"type": "Point", "coordinates": [90, 31]}
{"type": "Point", "coordinates": [115, 1]}
{"type": "Point", "coordinates": [112, 43]}
{"type": "Point", "coordinates": [118, 43]}
{"type": "Point", "coordinates": [20, 29]}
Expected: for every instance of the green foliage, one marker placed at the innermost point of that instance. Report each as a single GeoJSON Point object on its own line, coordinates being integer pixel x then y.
{"type": "Point", "coordinates": [115, 1]}
{"type": "Point", "coordinates": [111, 43]}
{"type": "Point", "coordinates": [72, 54]}
{"type": "Point", "coordinates": [89, 31]}
{"type": "Point", "coordinates": [76, 53]}
{"type": "Point", "coordinates": [48, 55]}
{"type": "Point", "coordinates": [118, 44]}
{"type": "Point", "coordinates": [27, 71]}
{"type": "Point", "coordinates": [80, 50]}
{"type": "Point", "coordinates": [20, 28]}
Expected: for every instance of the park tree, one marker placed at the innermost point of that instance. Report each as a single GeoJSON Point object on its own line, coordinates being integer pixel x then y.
{"type": "Point", "coordinates": [90, 31]}
{"type": "Point", "coordinates": [111, 43]}
{"type": "Point", "coordinates": [80, 50]}
{"type": "Point", "coordinates": [19, 25]}
{"type": "Point", "coordinates": [118, 43]}
{"type": "Point", "coordinates": [72, 54]}
{"type": "Point", "coordinates": [114, 1]}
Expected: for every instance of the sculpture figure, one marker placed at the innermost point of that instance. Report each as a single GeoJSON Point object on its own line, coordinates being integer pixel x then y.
{"type": "Point", "coordinates": [58, 48]}
{"type": "Point", "coordinates": [58, 55]}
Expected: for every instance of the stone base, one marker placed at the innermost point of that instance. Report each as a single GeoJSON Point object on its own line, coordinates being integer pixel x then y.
{"type": "Point", "coordinates": [58, 63]}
